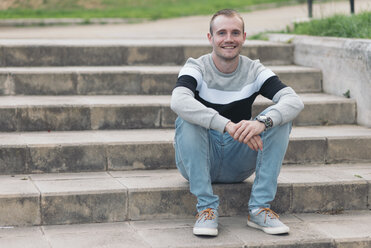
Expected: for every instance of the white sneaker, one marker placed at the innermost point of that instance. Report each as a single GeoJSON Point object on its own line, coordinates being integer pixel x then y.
{"type": "Point", "coordinates": [206, 223]}
{"type": "Point", "coordinates": [266, 220]}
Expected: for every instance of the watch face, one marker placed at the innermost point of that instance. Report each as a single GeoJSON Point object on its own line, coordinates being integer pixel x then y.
{"type": "Point", "coordinates": [266, 120]}
{"type": "Point", "coordinates": [262, 118]}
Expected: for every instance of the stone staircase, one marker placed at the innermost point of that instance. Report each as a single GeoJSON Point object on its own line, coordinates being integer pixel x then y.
{"type": "Point", "coordinates": [86, 136]}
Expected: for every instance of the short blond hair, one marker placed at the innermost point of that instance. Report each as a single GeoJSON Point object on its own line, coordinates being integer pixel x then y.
{"type": "Point", "coordinates": [228, 13]}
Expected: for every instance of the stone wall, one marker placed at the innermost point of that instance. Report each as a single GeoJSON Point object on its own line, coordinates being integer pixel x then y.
{"type": "Point", "coordinates": [345, 64]}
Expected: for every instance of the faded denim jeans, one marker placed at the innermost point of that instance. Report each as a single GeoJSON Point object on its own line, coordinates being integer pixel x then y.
{"type": "Point", "coordinates": [206, 156]}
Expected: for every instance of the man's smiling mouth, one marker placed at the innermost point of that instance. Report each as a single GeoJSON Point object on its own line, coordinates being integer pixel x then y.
{"type": "Point", "coordinates": [229, 47]}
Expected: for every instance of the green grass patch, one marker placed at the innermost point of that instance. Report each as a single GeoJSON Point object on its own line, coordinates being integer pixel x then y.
{"type": "Point", "coordinates": [149, 9]}
{"type": "Point", "coordinates": [355, 26]}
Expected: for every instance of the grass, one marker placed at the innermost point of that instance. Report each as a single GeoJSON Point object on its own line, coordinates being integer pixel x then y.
{"type": "Point", "coordinates": [354, 26]}
{"type": "Point", "coordinates": [148, 9]}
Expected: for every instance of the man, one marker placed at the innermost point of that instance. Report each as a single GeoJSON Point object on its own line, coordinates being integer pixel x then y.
{"type": "Point", "coordinates": [216, 141]}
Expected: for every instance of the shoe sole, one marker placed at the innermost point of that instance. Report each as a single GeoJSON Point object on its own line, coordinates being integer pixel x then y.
{"type": "Point", "coordinates": [270, 230]}
{"type": "Point", "coordinates": [205, 231]}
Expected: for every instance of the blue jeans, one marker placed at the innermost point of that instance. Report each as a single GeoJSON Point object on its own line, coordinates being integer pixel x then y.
{"type": "Point", "coordinates": [206, 156]}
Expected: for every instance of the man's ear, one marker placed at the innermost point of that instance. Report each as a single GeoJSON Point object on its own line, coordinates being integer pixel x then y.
{"type": "Point", "coordinates": [244, 35]}
{"type": "Point", "coordinates": [209, 37]}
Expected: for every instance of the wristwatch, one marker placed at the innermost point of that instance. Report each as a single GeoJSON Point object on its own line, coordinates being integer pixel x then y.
{"type": "Point", "coordinates": [267, 121]}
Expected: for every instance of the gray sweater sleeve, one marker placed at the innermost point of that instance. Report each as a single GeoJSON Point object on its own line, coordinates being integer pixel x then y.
{"type": "Point", "coordinates": [184, 104]}
{"type": "Point", "coordinates": [287, 106]}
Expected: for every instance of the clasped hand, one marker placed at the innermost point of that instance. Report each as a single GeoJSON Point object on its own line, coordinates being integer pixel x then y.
{"type": "Point", "coordinates": [247, 132]}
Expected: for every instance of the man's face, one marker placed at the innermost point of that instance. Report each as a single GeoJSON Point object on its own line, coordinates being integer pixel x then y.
{"type": "Point", "coordinates": [227, 38]}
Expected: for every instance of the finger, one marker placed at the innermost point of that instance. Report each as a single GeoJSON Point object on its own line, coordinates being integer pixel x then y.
{"type": "Point", "coordinates": [250, 145]}
{"type": "Point", "coordinates": [243, 132]}
{"type": "Point", "coordinates": [240, 128]}
{"type": "Point", "coordinates": [258, 141]}
{"type": "Point", "coordinates": [248, 135]}
{"type": "Point", "coordinates": [246, 132]}
{"type": "Point", "coordinates": [254, 144]}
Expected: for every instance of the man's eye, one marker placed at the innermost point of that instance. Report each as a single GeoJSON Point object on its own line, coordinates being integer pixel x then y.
{"type": "Point", "coordinates": [221, 33]}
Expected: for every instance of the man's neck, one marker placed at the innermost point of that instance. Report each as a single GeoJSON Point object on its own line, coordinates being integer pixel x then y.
{"type": "Point", "coordinates": [225, 66]}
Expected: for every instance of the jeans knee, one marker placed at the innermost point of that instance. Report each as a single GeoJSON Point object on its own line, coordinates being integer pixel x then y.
{"type": "Point", "coordinates": [186, 132]}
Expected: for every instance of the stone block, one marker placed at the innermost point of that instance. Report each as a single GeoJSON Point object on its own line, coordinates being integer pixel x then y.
{"type": "Point", "coordinates": [83, 208]}
{"type": "Point", "coordinates": [270, 55]}
{"type": "Point", "coordinates": [20, 210]}
{"type": "Point", "coordinates": [155, 55]}
{"type": "Point", "coordinates": [48, 55]}
{"type": "Point", "coordinates": [348, 149]}
{"type": "Point", "coordinates": [168, 233]}
{"type": "Point", "coordinates": [309, 197]}
{"type": "Point", "coordinates": [88, 198]}
{"type": "Point", "coordinates": [353, 243]}
{"type": "Point", "coordinates": [140, 156]}
{"type": "Point", "coordinates": [233, 198]}
{"type": "Point", "coordinates": [308, 150]}
{"type": "Point", "coordinates": [157, 194]}
{"type": "Point", "coordinates": [353, 230]}
{"type": "Point", "coordinates": [30, 237]}
{"type": "Point", "coordinates": [32, 55]}
{"type": "Point", "coordinates": [95, 55]}
{"type": "Point", "coordinates": [19, 202]}
{"type": "Point", "coordinates": [14, 160]}
{"type": "Point", "coordinates": [302, 81]}
{"type": "Point", "coordinates": [110, 83]}
{"type": "Point", "coordinates": [166, 203]}
{"type": "Point", "coordinates": [3, 79]}
{"type": "Point", "coordinates": [44, 83]}
{"type": "Point", "coordinates": [96, 235]}
{"type": "Point", "coordinates": [53, 118]}
{"type": "Point", "coordinates": [84, 158]}
{"type": "Point", "coordinates": [6, 84]}
{"type": "Point", "coordinates": [46, 159]}
{"type": "Point", "coordinates": [329, 114]}
{"type": "Point", "coordinates": [282, 202]}
{"type": "Point", "coordinates": [301, 234]}
{"type": "Point", "coordinates": [2, 57]}
{"type": "Point", "coordinates": [74, 158]}
{"type": "Point", "coordinates": [158, 84]}
{"type": "Point", "coordinates": [8, 120]}
{"type": "Point", "coordinates": [126, 117]}
{"type": "Point", "coordinates": [196, 51]}
{"type": "Point", "coordinates": [168, 118]}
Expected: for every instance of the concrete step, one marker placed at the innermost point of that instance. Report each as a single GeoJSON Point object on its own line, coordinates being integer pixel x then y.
{"type": "Point", "coordinates": [346, 229]}
{"type": "Point", "coordinates": [75, 198]}
{"type": "Point", "coordinates": [124, 80]}
{"type": "Point", "coordinates": [62, 113]}
{"type": "Point", "coordinates": [126, 52]}
{"type": "Point", "coordinates": [84, 151]}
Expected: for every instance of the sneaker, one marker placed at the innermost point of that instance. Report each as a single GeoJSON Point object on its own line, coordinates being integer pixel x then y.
{"type": "Point", "coordinates": [206, 223]}
{"type": "Point", "coordinates": [266, 220]}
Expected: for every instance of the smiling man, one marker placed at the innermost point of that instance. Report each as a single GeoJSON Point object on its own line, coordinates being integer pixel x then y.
{"type": "Point", "coordinates": [216, 140]}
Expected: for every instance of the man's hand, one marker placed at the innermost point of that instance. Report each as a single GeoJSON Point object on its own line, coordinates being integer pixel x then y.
{"type": "Point", "coordinates": [247, 132]}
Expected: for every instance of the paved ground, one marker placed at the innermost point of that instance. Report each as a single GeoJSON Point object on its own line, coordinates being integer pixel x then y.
{"type": "Point", "coordinates": [183, 28]}
{"type": "Point", "coordinates": [309, 230]}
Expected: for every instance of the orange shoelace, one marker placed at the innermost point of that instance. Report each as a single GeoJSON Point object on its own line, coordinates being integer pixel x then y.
{"type": "Point", "coordinates": [268, 212]}
{"type": "Point", "coordinates": [207, 214]}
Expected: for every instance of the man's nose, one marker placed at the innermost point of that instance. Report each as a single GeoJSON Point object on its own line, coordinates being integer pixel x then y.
{"type": "Point", "coordinates": [229, 37]}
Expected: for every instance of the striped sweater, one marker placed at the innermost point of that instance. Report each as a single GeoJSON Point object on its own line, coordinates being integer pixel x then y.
{"type": "Point", "coordinates": [207, 97]}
